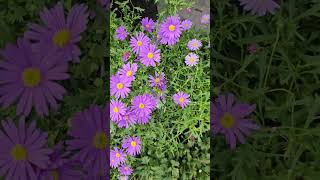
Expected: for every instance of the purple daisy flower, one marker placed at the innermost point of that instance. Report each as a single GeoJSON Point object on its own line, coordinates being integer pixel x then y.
{"type": "Point", "coordinates": [128, 71]}
{"type": "Point", "coordinates": [132, 145]}
{"type": "Point", "coordinates": [121, 33]}
{"type": "Point", "coordinates": [117, 110]}
{"type": "Point", "coordinates": [194, 44]}
{"type": "Point", "coordinates": [181, 98]}
{"type": "Point", "coordinates": [148, 24]}
{"type": "Point", "coordinates": [126, 56]}
{"type": "Point", "coordinates": [90, 139]}
{"type": "Point", "coordinates": [143, 105]}
{"type": "Point", "coordinates": [119, 86]}
{"type": "Point", "coordinates": [186, 24]}
{"type": "Point", "coordinates": [117, 157]}
{"type": "Point", "coordinates": [259, 7]}
{"type": "Point", "coordinates": [59, 34]}
{"type": "Point", "coordinates": [125, 170]}
{"type": "Point", "coordinates": [123, 178]}
{"type": "Point", "coordinates": [150, 55]}
{"type": "Point", "coordinates": [60, 167]}
{"type": "Point", "coordinates": [205, 19]}
{"type": "Point", "coordinates": [23, 150]}
{"type": "Point", "coordinates": [140, 41]}
{"type": "Point", "coordinates": [127, 119]}
{"type": "Point", "coordinates": [191, 59]}
{"type": "Point", "coordinates": [158, 80]}
{"type": "Point", "coordinates": [30, 78]}
{"type": "Point", "coordinates": [229, 118]}
{"type": "Point", "coordinates": [170, 30]}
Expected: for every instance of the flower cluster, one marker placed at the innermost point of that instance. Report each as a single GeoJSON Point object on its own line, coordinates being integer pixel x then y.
{"type": "Point", "coordinates": [30, 73]}
{"type": "Point", "coordinates": [145, 51]}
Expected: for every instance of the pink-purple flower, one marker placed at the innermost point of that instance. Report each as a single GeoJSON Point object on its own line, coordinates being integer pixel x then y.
{"type": "Point", "coordinates": [31, 78]}
{"type": "Point", "coordinates": [158, 80]}
{"type": "Point", "coordinates": [121, 33]}
{"type": "Point", "coordinates": [230, 119]}
{"type": "Point", "coordinates": [23, 150]}
{"type": "Point", "coordinates": [259, 7]}
{"type": "Point", "coordinates": [191, 59]}
{"type": "Point", "coordinates": [117, 110]}
{"type": "Point", "coordinates": [148, 24]}
{"type": "Point", "coordinates": [125, 170]}
{"type": "Point", "coordinates": [89, 132]}
{"type": "Point", "coordinates": [117, 157]}
{"type": "Point", "coordinates": [205, 19]}
{"type": "Point", "coordinates": [59, 34]}
{"type": "Point", "coordinates": [186, 24]}
{"type": "Point", "coordinates": [143, 105]}
{"type": "Point", "coordinates": [181, 98]}
{"type": "Point", "coordinates": [170, 30]}
{"type": "Point", "coordinates": [128, 71]}
{"type": "Point", "coordinates": [119, 86]}
{"type": "Point", "coordinates": [127, 119]}
{"type": "Point", "coordinates": [132, 145]}
{"type": "Point", "coordinates": [194, 44]}
{"type": "Point", "coordinates": [150, 55]}
{"type": "Point", "coordinates": [140, 41]}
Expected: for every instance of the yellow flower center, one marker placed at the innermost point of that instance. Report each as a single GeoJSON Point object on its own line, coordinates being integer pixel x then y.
{"type": "Point", "coordinates": [126, 117]}
{"type": "Point", "coordinates": [139, 43]}
{"type": "Point", "coordinates": [172, 27]}
{"type": "Point", "coordinates": [133, 143]}
{"type": "Point", "coordinates": [157, 80]}
{"type": "Point", "coordinates": [141, 105]}
{"type": "Point", "coordinates": [55, 174]}
{"type": "Point", "coordinates": [129, 73]}
{"type": "Point", "coordinates": [31, 77]}
{"type": "Point", "coordinates": [19, 153]}
{"type": "Point", "coordinates": [150, 55]}
{"type": "Point", "coordinates": [119, 85]}
{"type": "Point", "coordinates": [195, 44]}
{"type": "Point", "coordinates": [126, 168]}
{"type": "Point", "coordinates": [118, 155]}
{"type": "Point", "coordinates": [181, 99]}
{"type": "Point", "coordinates": [227, 120]}
{"type": "Point", "coordinates": [100, 140]}
{"type": "Point", "coordinates": [116, 109]}
{"type": "Point", "coordinates": [147, 26]}
{"type": "Point", "coordinates": [61, 38]}
{"type": "Point", "coordinates": [191, 60]}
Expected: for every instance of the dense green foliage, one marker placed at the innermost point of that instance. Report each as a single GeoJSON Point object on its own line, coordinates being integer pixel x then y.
{"type": "Point", "coordinates": [282, 79]}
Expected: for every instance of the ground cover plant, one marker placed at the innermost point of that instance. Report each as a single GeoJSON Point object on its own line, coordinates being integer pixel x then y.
{"type": "Point", "coordinates": [159, 89]}
{"type": "Point", "coordinates": [52, 83]}
{"type": "Point", "coordinates": [265, 89]}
